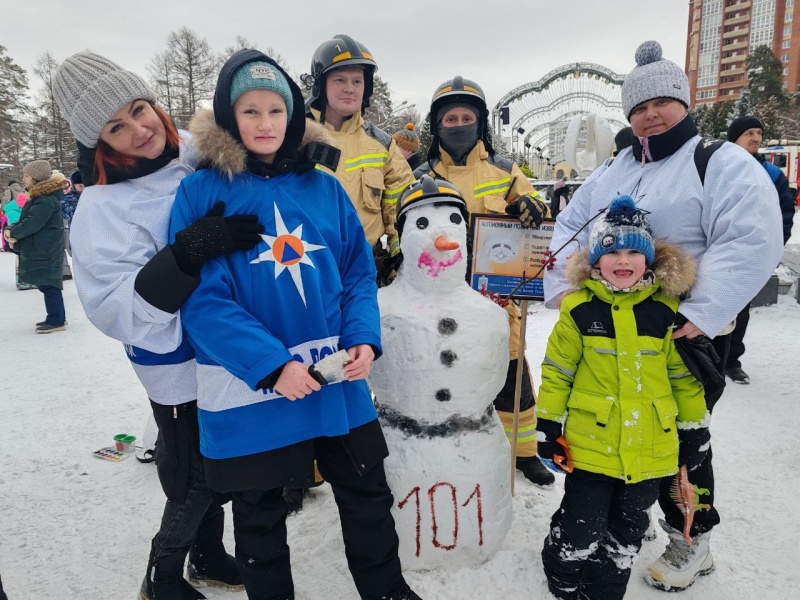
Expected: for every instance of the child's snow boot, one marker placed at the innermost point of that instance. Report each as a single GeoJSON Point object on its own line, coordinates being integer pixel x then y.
{"type": "Point", "coordinates": [164, 579]}
{"type": "Point", "coordinates": [535, 471]}
{"type": "Point", "coordinates": [681, 563]}
{"type": "Point", "coordinates": [209, 564]}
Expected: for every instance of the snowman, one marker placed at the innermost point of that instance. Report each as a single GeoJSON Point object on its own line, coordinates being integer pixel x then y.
{"type": "Point", "coordinates": [445, 355]}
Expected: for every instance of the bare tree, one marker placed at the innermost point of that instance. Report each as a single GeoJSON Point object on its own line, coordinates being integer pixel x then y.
{"type": "Point", "coordinates": [194, 67]}
{"type": "Point", "coordinates": [162, 78]}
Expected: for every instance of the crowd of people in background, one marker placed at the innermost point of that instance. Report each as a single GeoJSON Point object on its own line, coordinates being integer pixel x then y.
{"type": "Point", "coordinates": [170, 232]}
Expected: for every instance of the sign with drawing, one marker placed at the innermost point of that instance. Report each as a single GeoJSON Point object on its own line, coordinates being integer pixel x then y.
{"type": "Point", "coordinates": [503, 253]}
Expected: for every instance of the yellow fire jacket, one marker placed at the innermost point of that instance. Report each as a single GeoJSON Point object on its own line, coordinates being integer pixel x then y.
{"type": "Point", "coordinates": [373, 172]}
{"type": "Point", "coordinates": [487, 185]}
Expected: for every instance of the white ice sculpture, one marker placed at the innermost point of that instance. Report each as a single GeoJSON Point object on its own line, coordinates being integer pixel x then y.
{"type": "Point", "coordinates": [445, 359]}
{"type": "Point", "coordinates": [599, 143]}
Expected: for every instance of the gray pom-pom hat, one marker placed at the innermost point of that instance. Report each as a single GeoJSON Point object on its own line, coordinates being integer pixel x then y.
{"type": "Point", "coordinates": [653, 77]}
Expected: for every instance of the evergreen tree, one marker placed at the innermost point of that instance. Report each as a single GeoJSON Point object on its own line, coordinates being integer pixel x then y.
{"type": "Point", "coordinates": [13, 110]}
{"type": "Point", "coordinates": [425, 137]}
{"type": "Point", "coordinates": [765, 77]}
{"type": "Point", "coordinates": [380, 104]}
{"type": "Point", "coordinates": [769, 112]}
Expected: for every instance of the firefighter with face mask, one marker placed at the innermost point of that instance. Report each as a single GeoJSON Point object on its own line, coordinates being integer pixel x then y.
{"type": "Point", "coordinates": [462, 153]}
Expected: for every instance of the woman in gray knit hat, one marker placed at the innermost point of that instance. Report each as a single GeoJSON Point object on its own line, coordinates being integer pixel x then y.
{"type": "Point", "coordinates": [132, 284]}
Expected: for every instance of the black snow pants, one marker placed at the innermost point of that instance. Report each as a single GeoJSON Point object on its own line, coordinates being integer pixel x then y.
{"type": "Point", "coordinates": [737, 338]}
{"type": "Point", "coordinates": [702, 476]}
{"type": "Point", "coordinates": [193, 513]}
{"type": "Point", "coordinates": [370, 539]}
{"type": "Point", "coordinates": [595, 536]}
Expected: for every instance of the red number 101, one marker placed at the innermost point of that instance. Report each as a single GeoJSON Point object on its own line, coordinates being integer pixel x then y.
{"type": "Point", "coordinates": [415, 493]}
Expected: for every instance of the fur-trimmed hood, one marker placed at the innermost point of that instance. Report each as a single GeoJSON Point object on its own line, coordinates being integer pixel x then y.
{"type": "Point", "coordinates": [48, 186]}
{"type": "Point", "coordinates": [221, 151]}
{"type": "Point", "coordinates": [674, 269]}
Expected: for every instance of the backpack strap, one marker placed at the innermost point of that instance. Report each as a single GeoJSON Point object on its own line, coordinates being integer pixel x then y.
{"type": "Point", "coordinates": [702, 154]}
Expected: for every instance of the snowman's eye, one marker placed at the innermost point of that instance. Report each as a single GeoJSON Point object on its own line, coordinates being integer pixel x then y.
{"type": "Point", "coordinates": [455, 218]}
{"type": "Point", "coordinates": [422, 223]}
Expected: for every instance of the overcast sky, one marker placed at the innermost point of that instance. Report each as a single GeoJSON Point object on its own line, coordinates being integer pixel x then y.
{"type": "Point", "coordinates": [417, 44]}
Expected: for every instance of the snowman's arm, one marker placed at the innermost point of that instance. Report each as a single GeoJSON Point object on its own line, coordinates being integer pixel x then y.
{"type": "Point", "coordinates": [360, 315]}
{"type": "Point", "coordinates": [564, 352]}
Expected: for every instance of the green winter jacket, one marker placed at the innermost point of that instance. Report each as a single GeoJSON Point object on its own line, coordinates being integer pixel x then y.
{"type": "Point", "coordinates": [613, 376]}
{"type": "Point", "coordinates": [40, 235]}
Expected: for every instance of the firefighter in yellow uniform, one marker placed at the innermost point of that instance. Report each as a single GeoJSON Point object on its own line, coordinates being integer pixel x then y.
{"type": "Point", "coordinates": [461, 152]}
{"type": "Point", "coordinates": [372, 169]}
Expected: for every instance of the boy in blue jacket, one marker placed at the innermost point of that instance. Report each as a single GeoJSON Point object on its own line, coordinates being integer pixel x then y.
{"type": "Point", "coordinates": [260, 319]}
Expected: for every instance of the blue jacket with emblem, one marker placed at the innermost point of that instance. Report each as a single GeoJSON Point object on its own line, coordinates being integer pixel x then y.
{"type": "Point", "coordinates": [305, 292]}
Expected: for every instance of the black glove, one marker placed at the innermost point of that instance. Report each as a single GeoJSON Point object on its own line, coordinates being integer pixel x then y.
{"type": "Point", "coordinates": [693, 445]}
{"type": "Point", "coordinates": [214, 235]}
{"type": "Point", "coordinates": [529, 211]}
{"type": "Point", "coordinates": [385, 264]}
{"type": "Point", "coordinates": [549, 447]}
{"type": "Point", "coordinates": [701, 359]}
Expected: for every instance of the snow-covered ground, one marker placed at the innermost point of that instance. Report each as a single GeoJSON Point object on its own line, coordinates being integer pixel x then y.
{"type": "Point", "coordinates": [75, 527]}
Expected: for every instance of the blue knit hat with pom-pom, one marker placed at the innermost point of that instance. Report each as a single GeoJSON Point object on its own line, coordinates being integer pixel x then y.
{"type": "Point", "coordinates": [653, 77]}
{"type": "Point", "coordinates": [623, 227]}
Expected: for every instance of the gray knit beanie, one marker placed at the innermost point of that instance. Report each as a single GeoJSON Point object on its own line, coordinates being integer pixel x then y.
{"type": "Point", "coordinates": [89, 89]}
{"type": "Point", "coordinates": [38, 170]}
{"type": "Point", "coordinates": [653, 77]}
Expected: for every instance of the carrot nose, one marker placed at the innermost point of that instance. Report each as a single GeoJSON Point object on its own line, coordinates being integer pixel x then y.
{"type": "Point", "coordinates": [442, 243]}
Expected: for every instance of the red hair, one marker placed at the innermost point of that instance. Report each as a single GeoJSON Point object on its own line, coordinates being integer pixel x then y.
{"type": "Point", "coordinates": [105, 156]}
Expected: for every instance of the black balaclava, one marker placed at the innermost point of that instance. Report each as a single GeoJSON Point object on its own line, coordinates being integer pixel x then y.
{"type": "Point", "coordinates": [458, 141]}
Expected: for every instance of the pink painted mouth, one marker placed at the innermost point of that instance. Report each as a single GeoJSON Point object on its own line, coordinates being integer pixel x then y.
{"type": "Point", "coordinates": [437, 266]}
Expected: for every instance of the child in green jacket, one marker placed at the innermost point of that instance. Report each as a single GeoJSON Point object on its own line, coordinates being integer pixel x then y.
{"type": "Point", "coordinates": [616, 389]}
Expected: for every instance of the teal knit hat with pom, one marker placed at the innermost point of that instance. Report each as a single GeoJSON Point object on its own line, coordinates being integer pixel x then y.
{"type": "Point", "coordinates": [261, 75]}
{"type": "Point", "coordinates": [623, 227]}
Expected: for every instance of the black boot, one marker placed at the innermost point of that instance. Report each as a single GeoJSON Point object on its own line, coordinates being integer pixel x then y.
{"type": "Point", "coordinates": [402, 593]}
{"type": "Point", "coordinates": [164, 579]}
{"type": "Point", "coordinates": [535, 471]}
{"type": "Point", "coordinates": [294, 499]}
{"type": "Point", "coordinates": [209, 564]}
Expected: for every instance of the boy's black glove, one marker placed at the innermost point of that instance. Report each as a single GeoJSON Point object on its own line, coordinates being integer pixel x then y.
{"type": "Point", "coordinates": [693, 445]}
{"type": "Point", "coordinates": [214, 235]}
{"type": "Point", "coordinates": [529, 211]}
{"type": "Point", "coordinates": [547, 434]}
{"type": "Point", "coordinates": [701, 359]}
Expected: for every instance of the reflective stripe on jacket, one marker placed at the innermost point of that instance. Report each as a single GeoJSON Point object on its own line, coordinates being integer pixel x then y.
{"type": "Point", "coordinates": [373, 175]}
{"type": "Point", "coordinates": [612, 374]}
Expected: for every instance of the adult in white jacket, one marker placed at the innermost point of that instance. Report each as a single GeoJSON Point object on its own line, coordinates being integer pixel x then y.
{"type": "Point", "coordinates": [132, 284]}
{"type": "Point", "coordinates": [730, 223]}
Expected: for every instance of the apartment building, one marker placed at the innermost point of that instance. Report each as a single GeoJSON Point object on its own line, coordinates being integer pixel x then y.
{"type": "Point", "coordinates": [722, 33]}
